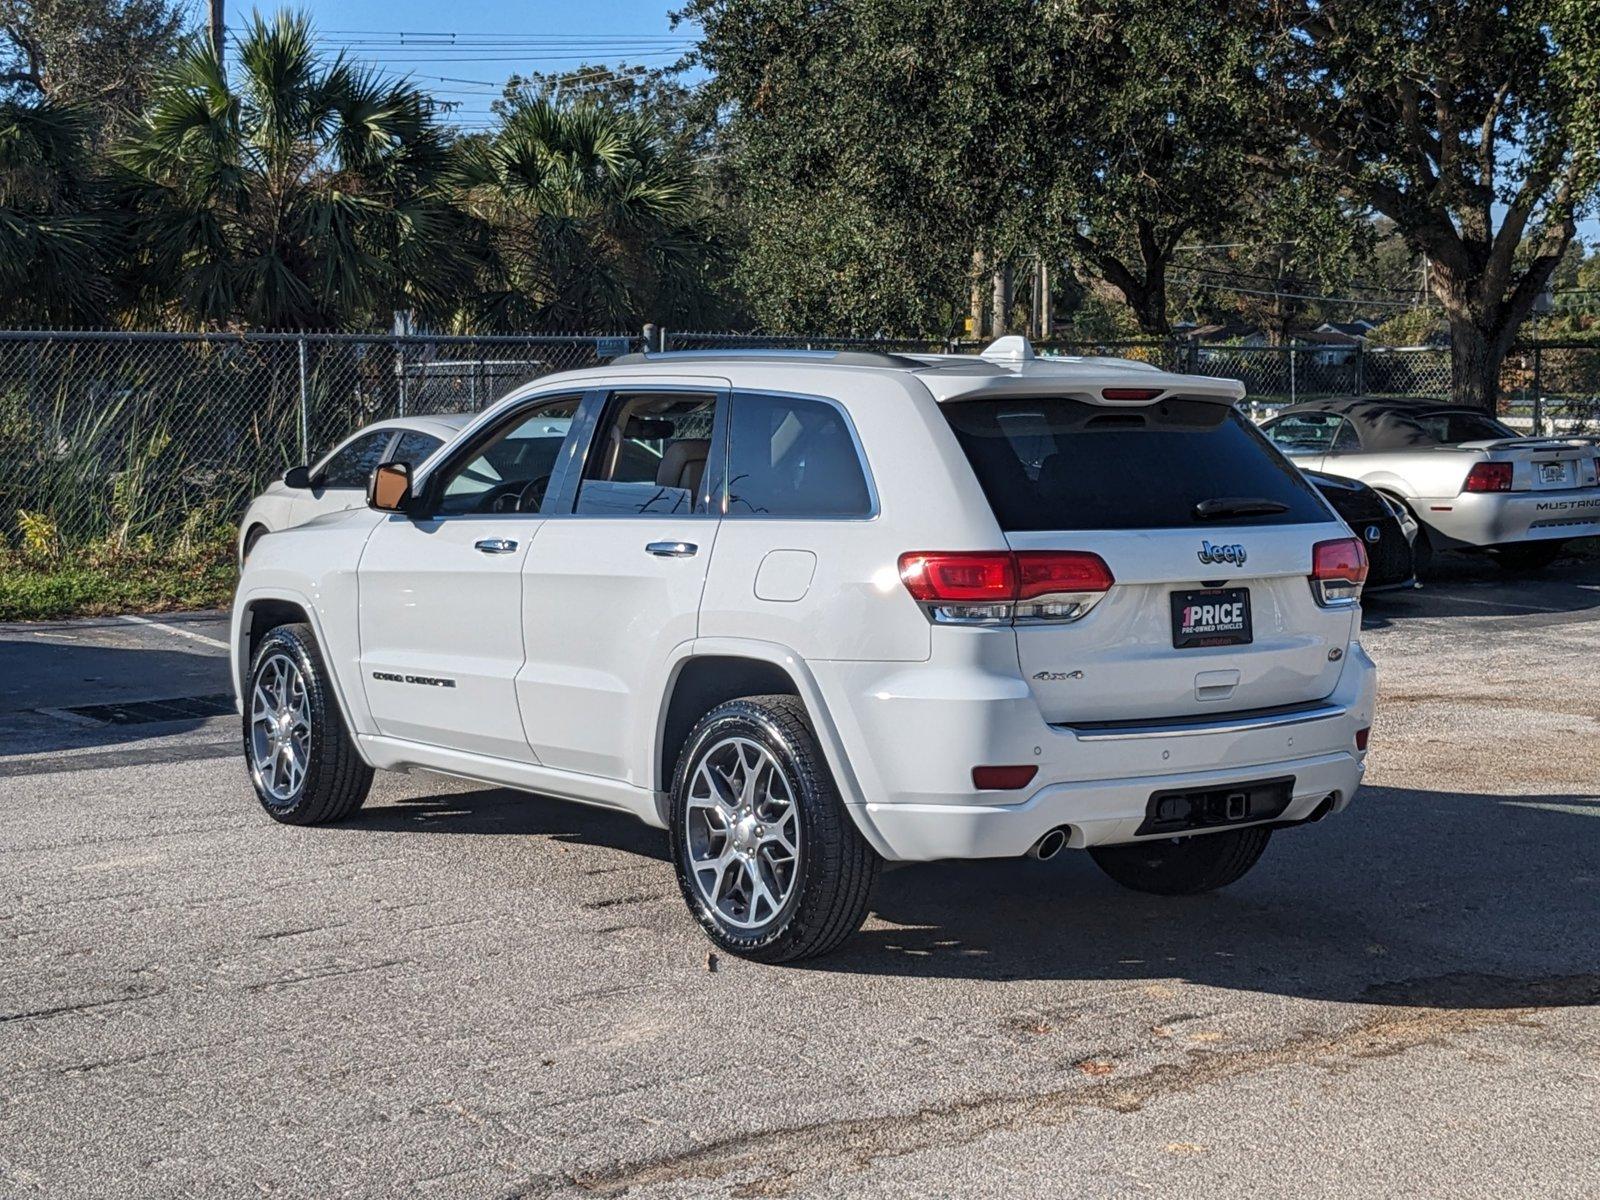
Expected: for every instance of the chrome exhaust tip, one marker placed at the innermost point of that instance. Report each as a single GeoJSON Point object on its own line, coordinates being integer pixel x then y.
{"type": "Point", "coordinates": [1048, 846]}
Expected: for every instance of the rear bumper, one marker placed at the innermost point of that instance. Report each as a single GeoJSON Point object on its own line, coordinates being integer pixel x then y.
{"type": "Point", "coordinates": [1093, 814]}
{"type": "Point", "coordinates": [1499, 518]}
{"type": "Point", "coordinates": [911, 739]}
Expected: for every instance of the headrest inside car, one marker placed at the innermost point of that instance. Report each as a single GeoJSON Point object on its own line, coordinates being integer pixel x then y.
{"type": "Point", "coordinates": [647, 429]}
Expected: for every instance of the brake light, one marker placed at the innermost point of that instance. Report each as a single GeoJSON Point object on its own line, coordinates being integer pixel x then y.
{"type": "Point", "coordinates": [1488, 477]}
{"type": "Point", "coordinates": [998, 587]}
{"type": "Point", "coordinates": [1338, 569]}
{"type": "Point", "coordinates": [1130, 393]}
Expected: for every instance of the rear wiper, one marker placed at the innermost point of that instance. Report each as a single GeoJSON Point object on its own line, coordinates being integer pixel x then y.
{"type": "Point", "coordinates": [1238, 506]}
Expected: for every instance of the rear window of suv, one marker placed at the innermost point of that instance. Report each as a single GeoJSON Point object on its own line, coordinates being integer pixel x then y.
{"type": "Point", "coordinates": [1050, 463]}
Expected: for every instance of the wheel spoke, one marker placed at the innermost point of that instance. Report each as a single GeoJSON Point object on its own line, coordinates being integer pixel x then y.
{"type": "Point", "coordinates": [742, 830]}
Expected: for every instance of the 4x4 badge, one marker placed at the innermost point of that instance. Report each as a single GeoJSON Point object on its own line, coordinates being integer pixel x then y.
{"type": "Point", "coordinates": [1233, 553]}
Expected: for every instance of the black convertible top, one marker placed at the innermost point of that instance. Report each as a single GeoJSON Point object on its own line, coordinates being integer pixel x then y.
{"type": "Point", "coordinates": [1385, 422]}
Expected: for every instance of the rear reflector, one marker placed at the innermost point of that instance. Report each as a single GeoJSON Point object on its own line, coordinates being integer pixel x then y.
{"type": "Point", "coordinates": [1002, 779]}
{"type": "Point", "coordinates": [1488, 477]}
{"type": "Point", "coordinates": [1338, 569]}
{"type": "Point", "coordinates": [1361, 738]}
{"type": "Point", "coordinates": [997, 587]}
{"type": "Point", "coordinates": [1130, 393]}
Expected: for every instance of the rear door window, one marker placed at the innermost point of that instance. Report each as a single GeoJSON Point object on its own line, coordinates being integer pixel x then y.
{"type": "Point", "coordinates": [1049, 463]}
{"type": "Point", "coordinates": [793, 457]}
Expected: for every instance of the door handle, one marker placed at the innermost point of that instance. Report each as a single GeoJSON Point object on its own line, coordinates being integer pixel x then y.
{"type": "Point", "coordinates": [495, 545]}
{"type": "Point", "coordinates": [672, 549]}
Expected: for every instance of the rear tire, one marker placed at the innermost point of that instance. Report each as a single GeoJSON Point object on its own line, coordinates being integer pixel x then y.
{"type": "Point", "coordinates": [769, 861]}
{"type": "Point", "coordinates": [303, 764]}
{"type": "Point", "coordinates": [1534, 556]}
{"type": "Point", "coordinates": [1183, 866]}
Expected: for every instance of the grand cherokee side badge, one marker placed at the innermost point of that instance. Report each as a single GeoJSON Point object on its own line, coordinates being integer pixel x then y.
{"type": "Point", "coordinates": [1232, 553]}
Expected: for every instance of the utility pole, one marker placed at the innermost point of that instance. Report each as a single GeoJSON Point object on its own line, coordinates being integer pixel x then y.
{"type": "Point", "coordinates": [215, 7]}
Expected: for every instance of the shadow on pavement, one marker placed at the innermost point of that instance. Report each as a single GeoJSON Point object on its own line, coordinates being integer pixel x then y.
{"type": "Point", "coordinates": [1467, 585]}
{"type": "Point", "coordinates": [506, 812]}
{"type": "Point", "coordinates": [1411, 898]}
{"type": "Point", "coordinates": [40, 678]}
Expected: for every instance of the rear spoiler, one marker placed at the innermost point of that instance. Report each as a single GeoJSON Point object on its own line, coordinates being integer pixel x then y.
{"type": "Point", "coordinates": [1532, 443]}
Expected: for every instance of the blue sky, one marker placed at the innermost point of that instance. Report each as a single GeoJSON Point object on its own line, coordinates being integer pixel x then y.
{"type": "Point", "coordinates": [492, 40]}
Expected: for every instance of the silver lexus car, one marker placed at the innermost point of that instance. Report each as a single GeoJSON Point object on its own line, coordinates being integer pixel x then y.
{"type": "Point", "coordinates": [1471, 482]}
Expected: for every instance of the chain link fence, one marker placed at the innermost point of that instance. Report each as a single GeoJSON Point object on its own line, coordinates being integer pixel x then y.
{"type": "Point", "coordinates": [151, 444]}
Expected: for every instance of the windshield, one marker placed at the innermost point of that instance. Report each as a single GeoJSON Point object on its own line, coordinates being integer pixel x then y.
{"type": "Point", "coordinates": [1049, 463]}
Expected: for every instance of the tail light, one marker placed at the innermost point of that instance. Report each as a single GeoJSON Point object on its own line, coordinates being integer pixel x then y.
{"type": "Point", "coordinates": [999, 587]}
{"type": "Point", "coordinates": [1338, 569]}
{"type": "Point", "coordinates": [1488, 477]}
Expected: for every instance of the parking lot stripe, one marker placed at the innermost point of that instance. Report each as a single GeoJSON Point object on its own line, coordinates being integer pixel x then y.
{"type": "Point", "coordinates": [181, 632]}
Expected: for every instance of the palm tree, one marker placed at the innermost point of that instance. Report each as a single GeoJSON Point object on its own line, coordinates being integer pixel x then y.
{"type": "Point", "coordinates": [592, 218]}
{"type": "Point", "coordinates": [58, 239]}
{"type": "Point", "coordinates": [302, 193]}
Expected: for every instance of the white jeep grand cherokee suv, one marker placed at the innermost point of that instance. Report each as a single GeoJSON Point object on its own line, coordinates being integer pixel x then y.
{"type": "Point", "coordinates": [813, 611]}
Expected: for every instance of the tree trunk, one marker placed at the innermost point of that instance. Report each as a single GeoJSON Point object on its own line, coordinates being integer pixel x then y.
{"type": "Point", "coordinates": [1475, 358]}
{"type": "Point", "coordinates": [1001, 317]}
{"type": "Point", "coordinates": [975, 290]}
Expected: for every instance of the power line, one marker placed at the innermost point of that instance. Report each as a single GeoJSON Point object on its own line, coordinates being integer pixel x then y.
{"type": "Point", "coordinates": [1277, 295]}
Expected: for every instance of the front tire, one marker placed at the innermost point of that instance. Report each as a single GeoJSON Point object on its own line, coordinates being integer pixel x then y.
{"type": "Point", "coordinates": [1183, 866]}
{"type": "Point", "coordinates": [769, 861]}
{"type": "Point", "coordinates": [303, 764]}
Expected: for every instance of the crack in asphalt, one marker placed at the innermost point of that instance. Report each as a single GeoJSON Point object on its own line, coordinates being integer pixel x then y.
{"type": "Point", "coordinates": [780, 1161]}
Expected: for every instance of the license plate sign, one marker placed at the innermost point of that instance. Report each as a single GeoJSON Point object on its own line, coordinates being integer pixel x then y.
{"type": "Point", "coordinates": [1211, 617]}
{"type": "Point", "coordinates": [1552, 472]}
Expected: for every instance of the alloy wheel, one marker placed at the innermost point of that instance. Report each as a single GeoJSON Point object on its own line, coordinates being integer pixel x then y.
{"type": "Point", "coordinates": [742, 827]}
{"type": "Point", "coordinates": [280, 728]}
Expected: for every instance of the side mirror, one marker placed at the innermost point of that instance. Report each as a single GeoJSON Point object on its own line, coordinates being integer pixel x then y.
{"type": "Point", "coordinates": [389, 487]}
{"type": "Point", "coordinates": [297, 477]}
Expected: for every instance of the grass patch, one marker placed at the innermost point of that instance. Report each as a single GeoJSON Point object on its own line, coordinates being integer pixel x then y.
{"type": "Point", "coordinates": [38, 592]}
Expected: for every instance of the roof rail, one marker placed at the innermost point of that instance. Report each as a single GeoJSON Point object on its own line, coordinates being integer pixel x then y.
{"type": "Point", "coordinates": [843, 358]}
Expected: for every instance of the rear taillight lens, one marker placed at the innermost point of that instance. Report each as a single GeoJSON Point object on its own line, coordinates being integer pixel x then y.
{"type": "Point", "coordinates": [1488, 477]}
{"type": "Point", "coordinates": [961, 587]}
{"type": "Point", "coordinates": [1338, 569]}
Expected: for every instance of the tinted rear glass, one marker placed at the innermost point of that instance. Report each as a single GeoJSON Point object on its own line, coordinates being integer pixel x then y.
{"type": "Point", "coordinates": [1049, 463]}
{"type": "Point", "coordinates": [1453, 428]}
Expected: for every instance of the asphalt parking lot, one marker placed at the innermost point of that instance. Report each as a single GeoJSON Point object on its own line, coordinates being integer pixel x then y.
{"type": "Point", "coordinates": [467, 992]}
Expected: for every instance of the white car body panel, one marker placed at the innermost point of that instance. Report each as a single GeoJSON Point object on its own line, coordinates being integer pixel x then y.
{"type": "Point", "coordinates": [563, 654]}
{"type": "Point", "coordinates": [282, 507]}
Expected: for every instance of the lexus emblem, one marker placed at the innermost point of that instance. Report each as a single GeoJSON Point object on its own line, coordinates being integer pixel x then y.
{"type": "Point", "coordinates": [1233, 553]}
{"type": "Point", "coordinates": [1372, 533]}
